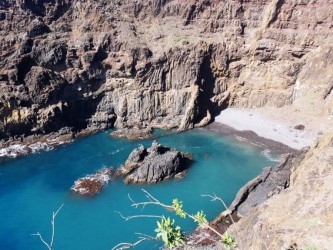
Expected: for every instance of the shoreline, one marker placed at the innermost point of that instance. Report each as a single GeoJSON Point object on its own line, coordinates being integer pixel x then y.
{"type": "Point", "coordinates": [262, 127]}
{"type": "Point", "coordinates": [268, 126]}
{"type": "Point", "coordinates": [250, 137]}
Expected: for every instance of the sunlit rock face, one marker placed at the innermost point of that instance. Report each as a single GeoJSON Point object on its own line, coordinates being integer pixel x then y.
{"type": "Point", "coordinates": [91, 65]}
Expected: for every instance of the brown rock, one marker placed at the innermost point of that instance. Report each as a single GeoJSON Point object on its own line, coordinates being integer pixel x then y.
{"type": "Point", "coordinates": [93, 184]}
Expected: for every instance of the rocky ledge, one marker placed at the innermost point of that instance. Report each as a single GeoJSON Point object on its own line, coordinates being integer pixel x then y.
{"type": "Point", "coordinates": [134, 133]}
{"type": "Point", "coordinates": [93, 184]}
{"type": "Point", "coordinates": [154, 164]}
{"type": "Point", "coordinates": [270, 182]}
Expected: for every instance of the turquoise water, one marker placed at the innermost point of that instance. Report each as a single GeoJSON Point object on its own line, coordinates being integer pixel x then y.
{"type": "Point", "coordinates": [32, 187]}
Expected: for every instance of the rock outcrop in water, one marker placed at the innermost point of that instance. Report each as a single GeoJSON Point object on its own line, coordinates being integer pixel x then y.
{"type": "Point", "coordinates": [154, 164]}
{"type": "Point", "coordinates": [93, 184]}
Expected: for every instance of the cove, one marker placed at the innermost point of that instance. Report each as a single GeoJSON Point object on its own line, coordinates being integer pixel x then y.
{"type": "Point", "coordinates": [33, 186]}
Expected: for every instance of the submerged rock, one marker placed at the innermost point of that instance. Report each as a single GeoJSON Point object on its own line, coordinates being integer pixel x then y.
{"type": "Point", "coordinates": [134, 133]}
{"type": "Point", "coordinates": [94, 183]}
{"type": "Point", "coordinates": [154, 164]}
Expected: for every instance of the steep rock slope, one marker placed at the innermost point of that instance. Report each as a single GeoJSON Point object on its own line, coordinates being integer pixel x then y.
{"type": "Point", "coordinates": [90, 65]}
{"type": "Point", "coordinates": [300, 214]}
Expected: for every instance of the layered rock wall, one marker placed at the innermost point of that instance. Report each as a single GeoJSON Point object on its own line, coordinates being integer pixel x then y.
{"type": "Point", "coordinates": [167, 63]}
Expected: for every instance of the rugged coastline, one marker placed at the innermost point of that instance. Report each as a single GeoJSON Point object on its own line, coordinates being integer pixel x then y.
{"type": "Point", "coordinates": [68, 69]}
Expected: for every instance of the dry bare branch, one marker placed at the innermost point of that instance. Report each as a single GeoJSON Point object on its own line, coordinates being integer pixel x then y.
{"type": "Point", "coordinates": [126, 218]}
{"type": "Point", "coordinates": [126, 245]}
{"type": "Point", "coordinates": [49, 245]}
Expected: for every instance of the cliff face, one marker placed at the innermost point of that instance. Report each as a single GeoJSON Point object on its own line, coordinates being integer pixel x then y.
{"type": "Point", "coordinates": [168, 63]}
{"type": "Point", "coordinates": [300, 214]}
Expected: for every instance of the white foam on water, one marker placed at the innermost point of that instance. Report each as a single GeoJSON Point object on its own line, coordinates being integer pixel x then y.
{"type": "Point", "coordinates": [268, 154]}
{"type": "Point", "coordinates": [13, 151]}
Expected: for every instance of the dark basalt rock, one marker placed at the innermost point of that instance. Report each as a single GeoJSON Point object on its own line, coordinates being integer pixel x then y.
{"type": "Point", "coordinates": [38, 28]}
{"type": "Point", "coordinates": [154, 164]}
{"type": "Point", "coordinates": [268, 183]}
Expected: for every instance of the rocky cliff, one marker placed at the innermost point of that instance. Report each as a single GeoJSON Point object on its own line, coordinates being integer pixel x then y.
{"type": "Point", "coordinates": [300, 216]}
{"type": "Point", "coordinates": [68, 66]}
{"type": "Point", "coordinates": [91, 65]}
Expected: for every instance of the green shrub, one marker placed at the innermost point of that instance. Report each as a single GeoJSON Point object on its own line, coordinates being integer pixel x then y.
{"type": "Point", "coordinates": [171, 235]}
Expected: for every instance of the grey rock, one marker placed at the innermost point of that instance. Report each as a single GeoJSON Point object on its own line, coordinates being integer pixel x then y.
{"type": "Point", "coordinates": [154, 164]}
{"type": "Point", "coordinates": [270, 182]}
{"type": "Point", "coordinates": [38, 28]}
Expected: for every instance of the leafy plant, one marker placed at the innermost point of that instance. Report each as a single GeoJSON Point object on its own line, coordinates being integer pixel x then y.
{"type": "Point", "coordinates": [229, 241]}
{"type": "Point", "coordinates": [200, 217]}
{"type": "Point", "coordinates": [171, 235]}
{"type": "Point", "coordinates": [178, 207]}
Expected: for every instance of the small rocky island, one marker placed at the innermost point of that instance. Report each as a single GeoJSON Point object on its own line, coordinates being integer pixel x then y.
{"type": "Point", "coordinates": [144, 165]}
{"type": "Point", "coordinates": [93, 184]}
{"type": "Point", "coordinates": [154, 164]}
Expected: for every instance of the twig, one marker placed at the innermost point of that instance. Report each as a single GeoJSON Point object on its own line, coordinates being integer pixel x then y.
{"type": "Point", "coordinates": [54, 214]}
{"type": "Point", "coordinates": [49, 246]}
{"type": "Point", "coordinates": [154, 201]}
{"type": "Point", "coordinates": [151, 201]}
{"type": "Point", "coordinates": [126, 245]}
{"type": "Point", "coordinates": [126, 218]}
{"type": "Point", "coordinates": [42, 240]}
{"type": "Point", "coordinates": [214, 197]}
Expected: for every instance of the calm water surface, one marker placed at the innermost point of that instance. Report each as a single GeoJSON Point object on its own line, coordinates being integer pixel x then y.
{"type": "Point", "coordinates": [32, 187]}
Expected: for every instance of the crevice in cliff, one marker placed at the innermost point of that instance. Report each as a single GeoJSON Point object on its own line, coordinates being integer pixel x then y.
{"type": "Point", "coordinates": [159, 4]}
{"type": "Point", "coordinates": [24, 67]}
{"type": "Point", "coordinates": [190, 14]}
{"type": "Point", "coordinates": [206, 82]}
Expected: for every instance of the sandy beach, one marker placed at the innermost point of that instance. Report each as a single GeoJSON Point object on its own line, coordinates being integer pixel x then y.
{"type": "Point", "coordinates": [267, 126]}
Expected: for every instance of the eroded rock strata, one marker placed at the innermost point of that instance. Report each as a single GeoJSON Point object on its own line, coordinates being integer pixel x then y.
{"type": "Point", "coordinates": [301, 214]}
{"type": "Point", "coordinates": [173, 64]}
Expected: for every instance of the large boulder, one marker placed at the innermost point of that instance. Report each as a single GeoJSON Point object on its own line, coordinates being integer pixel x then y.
{"type": "Point", "coordinates": [154, 164]}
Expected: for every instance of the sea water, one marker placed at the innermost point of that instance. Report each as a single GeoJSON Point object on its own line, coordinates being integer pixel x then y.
{"type": "Point", "coordinates": [34, 186]}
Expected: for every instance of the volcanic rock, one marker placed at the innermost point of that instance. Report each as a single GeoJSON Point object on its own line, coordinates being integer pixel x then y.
{"type": "Point", "coordinates": [106, 68]}
{"type": "Point", "coordinates": [154, 164]}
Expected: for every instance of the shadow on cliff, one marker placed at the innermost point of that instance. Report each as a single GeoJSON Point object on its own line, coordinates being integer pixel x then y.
{"type": "Point", "coordinates": [206, 82]}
